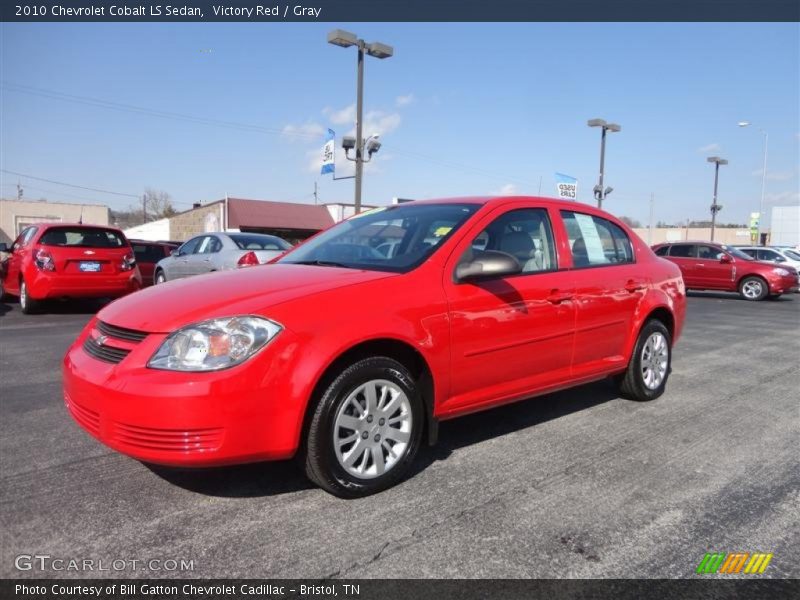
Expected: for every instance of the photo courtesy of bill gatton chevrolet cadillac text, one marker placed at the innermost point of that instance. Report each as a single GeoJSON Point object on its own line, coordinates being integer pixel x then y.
{"type": "Point", "coordinates": [348, 357]}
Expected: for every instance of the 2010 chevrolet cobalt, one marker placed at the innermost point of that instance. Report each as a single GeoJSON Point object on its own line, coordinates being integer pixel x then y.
{"type": "Point", "coordinates": [349, 357]}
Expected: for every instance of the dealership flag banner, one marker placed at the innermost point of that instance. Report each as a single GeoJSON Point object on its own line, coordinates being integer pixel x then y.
{"type": "Point", "coordinates": [566, 187]}
{"type": "Point", "coordinates": [328, 165]}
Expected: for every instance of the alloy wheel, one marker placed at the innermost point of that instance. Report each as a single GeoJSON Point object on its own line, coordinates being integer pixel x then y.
{"type": "Point", "coordinates": [372, 430]}
{"type": "Point", "coordinates": [752, 289]}
{"type": "Point", "coordinates": [655, 356]}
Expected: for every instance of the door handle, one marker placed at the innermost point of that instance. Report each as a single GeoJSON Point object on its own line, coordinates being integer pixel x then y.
{"type": "Point", "coordinates": [557, 298]}
{"type": "Point", "coordinates": [634, 286]}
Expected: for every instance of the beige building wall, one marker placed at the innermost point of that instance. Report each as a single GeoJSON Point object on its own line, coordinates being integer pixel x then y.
{"type": "Point", "coordinates": [722, 235]}
{"type": "Point", "coordinates": [198, 220]}
{"type": "Point", "coordinates": [15, 215]}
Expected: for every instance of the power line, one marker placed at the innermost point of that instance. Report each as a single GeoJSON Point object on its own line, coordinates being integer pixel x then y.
{"type": "Point", "coordinates": [99, 103]}
{"type": "Point", "coordinates": [72, 185]}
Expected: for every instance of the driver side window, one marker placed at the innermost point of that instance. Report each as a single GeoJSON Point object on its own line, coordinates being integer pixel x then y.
{"type": "Point", "coordinates": [189, 247]}
{"type": "Point", "coordinates": [525, 234]}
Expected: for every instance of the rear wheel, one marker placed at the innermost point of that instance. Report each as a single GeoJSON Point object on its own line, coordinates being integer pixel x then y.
{"type": "Point", "coordinates": [28, 305]}
{"type": "Point", "coordinates": [650, 364]}
{"type": "Point", "coordinates": [365, 431]}
{"type": "Point", "coordinates": [753, 288]}
{"type": "Point", "coordinates": [160, 278]}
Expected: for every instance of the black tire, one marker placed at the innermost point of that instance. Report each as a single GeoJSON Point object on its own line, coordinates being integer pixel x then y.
{"type": "Point", "coordinates": [159, 278]}
{"type": "Point", "coordinates": [3, 296]}
{"type": "Point", "coordinates": [319, 456]}
{"type": "Point", "coordinates": [773, 296]}
{"type": "Point", "coordinates": [753, 283]}
{"type": "Point", "coordinates": [632, 383]}
{"type": "Point", "coordinates": [28, 305]}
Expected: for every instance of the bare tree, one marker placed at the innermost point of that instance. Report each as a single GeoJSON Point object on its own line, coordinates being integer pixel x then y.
{"type": "Point", "coordinates": [633, 223]}
{"type": "Point", "coordinates": [158, 203]}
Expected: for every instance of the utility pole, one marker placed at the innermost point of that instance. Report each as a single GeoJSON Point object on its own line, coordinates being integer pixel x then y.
{"type": "Point", "coordinates": [19, 190]}
{"type": "Point", "coordinates": [144, 208]}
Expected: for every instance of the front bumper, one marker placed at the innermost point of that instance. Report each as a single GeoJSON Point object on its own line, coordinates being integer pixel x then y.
{"type": "Point", "coordinates": [232, 416]}
{"type": "Point", "coordinates": [784, 285]}
{"type": "Point", "coordinates": [43, 285]}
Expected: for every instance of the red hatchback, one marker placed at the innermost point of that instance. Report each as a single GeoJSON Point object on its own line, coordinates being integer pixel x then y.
{"type": "Point", "coordinates": [350, 357]}
{"type": "Point", "coordinates": [710, 266]}
{"type": "Point", "coordinates": [55, 260]}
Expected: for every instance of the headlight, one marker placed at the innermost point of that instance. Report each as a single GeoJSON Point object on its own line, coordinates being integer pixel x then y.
{"type": "Point", "coordinates": [215, 344]}
{"type": "Point", "coordinates": [781, 272]}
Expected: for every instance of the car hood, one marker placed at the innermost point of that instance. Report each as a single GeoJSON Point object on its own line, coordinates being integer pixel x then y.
{"type": "Point", "coordinates": [253, 290]}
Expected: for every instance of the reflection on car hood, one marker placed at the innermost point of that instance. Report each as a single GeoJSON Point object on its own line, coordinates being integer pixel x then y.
{"type": "Point", "coordinates": [253, 290]}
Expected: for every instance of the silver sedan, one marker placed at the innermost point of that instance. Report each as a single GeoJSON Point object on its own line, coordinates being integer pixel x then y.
{"type": "Point", "coordinates": [218, 252]}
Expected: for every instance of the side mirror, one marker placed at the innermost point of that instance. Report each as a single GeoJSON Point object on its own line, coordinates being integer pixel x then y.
{"type": "Point", "coordinates": [487, 264]}
{"type": "Point", "coordinates": [725, 259]}
{"type": "Point", "coordinates": [3, 247]}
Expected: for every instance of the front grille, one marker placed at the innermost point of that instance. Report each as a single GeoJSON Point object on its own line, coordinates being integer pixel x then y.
{"type": "Point", "coordinates": [121, 333]}
{"type": "Point", "coordinates": [88, 419]}
{"type": "Point", "coordinates": [105, 353]}
{"type": "Point", "coordinates": [169, 440]}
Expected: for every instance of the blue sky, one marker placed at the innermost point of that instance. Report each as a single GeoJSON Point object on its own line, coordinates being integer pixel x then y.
{"type": "Point", "coordinates": [462, 109]}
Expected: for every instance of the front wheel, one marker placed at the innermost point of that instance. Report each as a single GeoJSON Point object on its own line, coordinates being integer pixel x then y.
{"type": "Point", "coordinates": [365, 431]}
{"type": "Point", "coordinates": [753, 288]}
{"type": "Point", "coordinates": [650, 364]}
{"type": "Point", "coordinates": [28, 305]}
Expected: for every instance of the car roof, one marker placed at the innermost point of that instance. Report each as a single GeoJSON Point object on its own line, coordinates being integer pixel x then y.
{"type": "Point", "coordinates": [51, 225]}
{"type": "Point", "coordinates": [484, 200]}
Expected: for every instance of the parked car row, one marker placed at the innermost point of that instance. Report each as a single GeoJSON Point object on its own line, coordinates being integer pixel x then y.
{"type": "Point", "coordinates": [710, 266]}
{"type": "Point", "coordinates": [59, 260]}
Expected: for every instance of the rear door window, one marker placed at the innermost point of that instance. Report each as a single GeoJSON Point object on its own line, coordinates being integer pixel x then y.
{"type": "Point", "coordinates": [683, 251]}
{"type": "Point", "coordinates": [595, 241]}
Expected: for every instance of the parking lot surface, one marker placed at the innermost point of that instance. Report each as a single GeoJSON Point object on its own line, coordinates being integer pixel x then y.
{"type": "Point", "coordinates": [580, 483]}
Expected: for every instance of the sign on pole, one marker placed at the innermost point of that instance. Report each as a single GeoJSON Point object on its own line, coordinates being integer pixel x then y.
{"type": "Point", "coordinates": [566, 187]}
{"type": "Point", "coordinates": [754, 219]}
{"type": "Point", "coordinates": [328, 164]}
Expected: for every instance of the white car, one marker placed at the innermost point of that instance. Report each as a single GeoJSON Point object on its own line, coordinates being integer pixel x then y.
{"type": "Point", "coordinates": [216, 251]}
{"type": "Point", "coordinates": [779, 256]}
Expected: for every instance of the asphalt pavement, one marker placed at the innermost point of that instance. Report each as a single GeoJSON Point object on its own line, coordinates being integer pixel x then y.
{"type": "Point", "coordinates": [580, 483]}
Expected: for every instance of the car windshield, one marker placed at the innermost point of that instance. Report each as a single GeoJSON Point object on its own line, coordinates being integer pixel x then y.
{"type": "Point", "coordinates": [85, 237]}
{"type": "Point", "coordinates": [736, 253]}
{"type": "Point", "coordinates": [397, 238]}
{"type": "Point", "coordinates": [791, 254]}
{"type": "Point", "coordinates": [255, 241]}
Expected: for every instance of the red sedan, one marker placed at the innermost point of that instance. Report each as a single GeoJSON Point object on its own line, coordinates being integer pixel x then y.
{"type": "Point", "coordinates": [351, 356]}
{"type": "Point", "coordinates": [710, 266]}
{"type": "Point", "coordinates": [57, 260]}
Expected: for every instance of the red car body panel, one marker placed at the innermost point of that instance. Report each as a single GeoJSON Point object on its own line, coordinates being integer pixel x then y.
{"type": "Point", "coordinates": [484, 345]}
{"type": "Point", "coordinates": [66, 280]}
{"type": "Point", "coordinates": [147, 256]}
{"type": "Point", "coordinates": [712, 274]}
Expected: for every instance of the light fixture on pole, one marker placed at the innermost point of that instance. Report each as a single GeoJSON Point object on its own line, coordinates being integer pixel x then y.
{"type": "Point", "coordinates": [600, 193]}
{"type": "Point", "coordinates": [715, 208]}
{"type": "Point", "coordinates": [345, 39]}
{"type": "Point", "coordinates": [763, 179]}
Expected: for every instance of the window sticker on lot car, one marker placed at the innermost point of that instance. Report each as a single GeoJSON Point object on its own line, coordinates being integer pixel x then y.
{"type": "Point", "coordinates": [594, 245]}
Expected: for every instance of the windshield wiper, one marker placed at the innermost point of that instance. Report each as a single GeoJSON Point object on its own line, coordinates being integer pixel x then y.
{"type": "Point", "coordinates": [321, 263]}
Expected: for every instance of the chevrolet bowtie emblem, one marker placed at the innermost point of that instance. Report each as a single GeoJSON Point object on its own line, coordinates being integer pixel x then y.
{"type": "Point", "coordinates": [88, 252]}
{"type": "Point", "coordinates": [101, 340]}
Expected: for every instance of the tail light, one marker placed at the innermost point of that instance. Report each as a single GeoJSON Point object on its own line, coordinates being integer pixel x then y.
{"type": "Point", "coordinates": [248, 259]}
{"type": "Point", "coordinates": [128, 262]}
{"type": "Point", "coordinates": [44, 260]}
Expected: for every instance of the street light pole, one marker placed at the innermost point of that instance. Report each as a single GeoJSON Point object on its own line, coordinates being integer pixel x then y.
{"type": "Point", "coordinates": [715, 208]}
{"type": "Point", "coordinates": [345, 39]}
{"type": "Point", "coordinates": [601, 192]}
{"type": "Point", "coordinates": [359, 125]}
